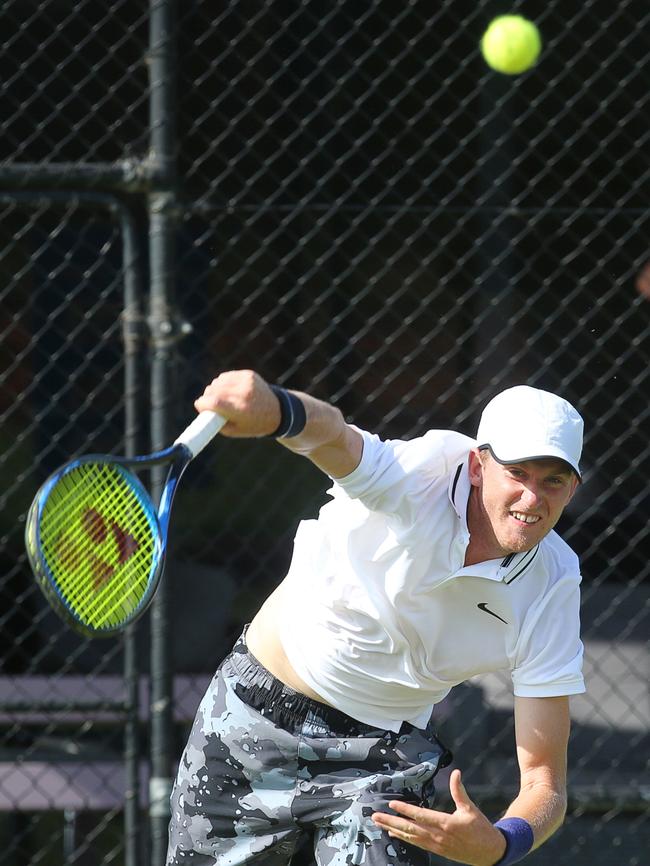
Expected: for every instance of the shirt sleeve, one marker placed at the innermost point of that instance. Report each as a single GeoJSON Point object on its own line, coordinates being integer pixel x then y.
{"type": "Point", "coordinates": [392, 473]}
{"type": "Point", "coordinates": [549, 649]}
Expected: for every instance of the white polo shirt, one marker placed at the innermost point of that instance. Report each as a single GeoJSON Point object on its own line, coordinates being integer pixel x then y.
{"type": "Point", "coordinates": [383, 619]}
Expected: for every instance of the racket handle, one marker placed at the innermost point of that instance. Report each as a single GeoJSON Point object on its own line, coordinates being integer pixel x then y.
{"type": "Point", "coordinates": [202, 430]}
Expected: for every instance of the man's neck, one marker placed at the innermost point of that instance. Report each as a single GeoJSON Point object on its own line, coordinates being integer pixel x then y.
{"type": "Point", "coordinates": [483, 544]}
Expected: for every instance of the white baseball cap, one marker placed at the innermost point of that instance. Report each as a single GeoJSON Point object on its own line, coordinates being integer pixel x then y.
{"type": "Point", "coordinates": [524, 423]}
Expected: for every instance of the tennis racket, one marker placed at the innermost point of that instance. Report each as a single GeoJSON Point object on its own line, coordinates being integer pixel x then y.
{"type": "Point", "coordinates": [95, 540]}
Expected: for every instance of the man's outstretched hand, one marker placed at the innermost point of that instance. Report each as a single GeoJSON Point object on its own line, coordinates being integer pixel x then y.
{"type": "Point", "coordinates": [465, 835]}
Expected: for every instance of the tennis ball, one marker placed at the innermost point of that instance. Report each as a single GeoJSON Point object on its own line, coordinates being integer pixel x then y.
{"type": "Point", "coordinates": [511, 44]}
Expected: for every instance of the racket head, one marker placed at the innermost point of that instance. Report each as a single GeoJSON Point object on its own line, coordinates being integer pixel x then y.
{"type": "Point", "coordinates": [95, 544]}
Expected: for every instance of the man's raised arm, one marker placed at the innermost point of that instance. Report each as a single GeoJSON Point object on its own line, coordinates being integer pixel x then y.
{"type": "Point", "coordinates": [303, 424]}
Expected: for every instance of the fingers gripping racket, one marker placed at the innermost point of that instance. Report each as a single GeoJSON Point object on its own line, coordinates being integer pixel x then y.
{"type": "Point", "coordinates": [94, 538]}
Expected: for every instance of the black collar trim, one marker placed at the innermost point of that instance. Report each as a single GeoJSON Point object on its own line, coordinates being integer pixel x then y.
{"type": "Point", "coordinates": [454, 485]}
{"type": "Point", "coordinates": [525, 562]}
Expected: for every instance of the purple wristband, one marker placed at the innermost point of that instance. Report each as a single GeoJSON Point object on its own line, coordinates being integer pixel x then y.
{"type": "Point", "coordinates": [519, 839]}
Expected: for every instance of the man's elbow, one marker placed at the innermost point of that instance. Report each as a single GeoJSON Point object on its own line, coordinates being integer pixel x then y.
{"type": "Point", "coordinates": [562, 806]}
{"type": "Point", "coordinates": [548, 808]}
{"type": "Point", "coordinates": [556, 809]}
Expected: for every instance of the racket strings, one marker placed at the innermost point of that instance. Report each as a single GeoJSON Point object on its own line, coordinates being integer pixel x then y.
{"type": "Point", "coordinates": [99, 541]}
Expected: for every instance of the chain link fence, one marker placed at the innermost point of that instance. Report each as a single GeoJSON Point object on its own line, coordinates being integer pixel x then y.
{"type": "Point", "coordinates": [357, 208]}
{"type": "Point", "coordinates": [63, 701]}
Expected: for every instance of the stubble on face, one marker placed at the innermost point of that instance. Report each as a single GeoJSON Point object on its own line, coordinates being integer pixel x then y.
{"type": "Point", "coordinates": [512, 507]}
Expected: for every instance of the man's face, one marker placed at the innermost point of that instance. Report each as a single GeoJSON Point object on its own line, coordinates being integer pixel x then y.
{"type": "Point", "coordinates": [516, 504]}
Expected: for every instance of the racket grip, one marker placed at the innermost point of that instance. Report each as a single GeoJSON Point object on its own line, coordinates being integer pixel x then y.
{"type": "Point", "coordinates": [202, 430]}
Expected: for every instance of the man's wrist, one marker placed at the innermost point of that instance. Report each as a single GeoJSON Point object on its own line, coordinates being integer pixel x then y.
{"type": "Point", "coordinates": [293, 416]}
{"type": "Point", "coordinates": [519, 839]}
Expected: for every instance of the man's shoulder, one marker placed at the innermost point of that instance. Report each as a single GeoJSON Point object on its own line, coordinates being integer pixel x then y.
{"type": "Point", "coordinates": [558, 557]}
{"type": "Point", "coordinates": [399, 474]}
{"type": "Point", "coordinates": [452, 445]}
{"type": "Point", "coordinates": [434, 449]}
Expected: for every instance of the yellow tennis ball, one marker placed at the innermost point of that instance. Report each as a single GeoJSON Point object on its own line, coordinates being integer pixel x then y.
{"type": "Point", "coordinates": [511, 44]}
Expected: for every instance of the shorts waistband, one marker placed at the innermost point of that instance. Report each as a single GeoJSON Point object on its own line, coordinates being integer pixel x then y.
{"type": "Point", "coordinates": [288, 708]}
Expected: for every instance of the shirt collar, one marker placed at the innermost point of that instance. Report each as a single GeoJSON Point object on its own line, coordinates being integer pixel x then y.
{"type": "Point", "coordinates": [459, 490]}
{"type": "Point", "coordinates": [507, 569]}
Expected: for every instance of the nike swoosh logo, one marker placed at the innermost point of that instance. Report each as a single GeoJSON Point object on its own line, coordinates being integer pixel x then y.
{"type": "Point", "coordinates": [483, 606]}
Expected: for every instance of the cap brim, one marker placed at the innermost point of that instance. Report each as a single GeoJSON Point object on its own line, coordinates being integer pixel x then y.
{"type": "Point", "coordinates": [549, 451]}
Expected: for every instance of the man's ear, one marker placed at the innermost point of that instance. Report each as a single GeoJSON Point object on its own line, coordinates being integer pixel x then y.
{"type": "Point", "coordinates": [576, 484]}
{"type": "Point", "coordinates": [475, 467]}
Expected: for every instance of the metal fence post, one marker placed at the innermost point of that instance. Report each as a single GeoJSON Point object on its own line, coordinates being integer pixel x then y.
{"type": "Point", "coordinates": [162, 241]}
{"type": "Point", "coordinates": [132, 320]}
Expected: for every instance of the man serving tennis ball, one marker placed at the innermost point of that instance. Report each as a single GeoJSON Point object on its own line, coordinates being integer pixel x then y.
{"type": "Point", "coordinates": [435, 560]}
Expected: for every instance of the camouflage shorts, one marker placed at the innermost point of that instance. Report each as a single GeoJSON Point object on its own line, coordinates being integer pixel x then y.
{"type": "Point", "coordinates": [266, 768]}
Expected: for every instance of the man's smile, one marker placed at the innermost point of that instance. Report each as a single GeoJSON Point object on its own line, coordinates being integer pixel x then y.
{"type": "Point", "coordinates": [525, 518]}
